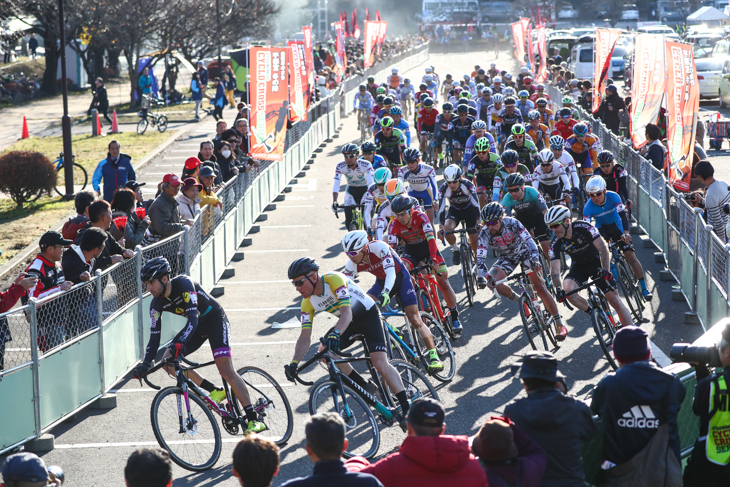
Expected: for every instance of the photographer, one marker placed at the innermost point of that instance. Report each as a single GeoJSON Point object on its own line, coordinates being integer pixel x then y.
{"type": "Point", "coordinates": [716, 196]}
{"type": "Point", "coordinates": [708, 465]}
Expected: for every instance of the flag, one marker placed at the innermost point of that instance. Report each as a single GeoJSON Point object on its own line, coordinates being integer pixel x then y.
{"type": "Point", "coordinates": [270, 103]}
{"type": "Point", "coordinates": [530, 53]}
{"type": "Point", "coordinates": [519, 37]}
{"type": "Point", "coordinates": [367, 14]}
{"type": "Point", "coordinates": [647, 87]}
{"type": "Point", "coordinates": [355, 28]}
{"type": "Point", "coordinates": [300, 94]}
{"type": "Point", "coordinates": [542, 50]}
{"type": "Point", "coordinates": [340, 58]}
{"type": "Point", "coordinates": [377, 16]}
{"type": "Point", "coordinates": [347, 25]}
{"type": "Point", "coordinates": [371, 41]}
{"type": "Point", "coordinates": [603, 48]}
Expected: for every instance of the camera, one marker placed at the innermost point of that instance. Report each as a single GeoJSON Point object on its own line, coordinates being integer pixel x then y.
{"type": "Point", "coordinates": [684, 352]}
{"type": "Point", "coordinates": [689, 197]}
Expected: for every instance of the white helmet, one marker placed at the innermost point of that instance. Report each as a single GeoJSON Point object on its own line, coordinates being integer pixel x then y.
{"type": "Point", "coordinates": [429, 69]}
{"type": "Point", "coordinates": [428, 78]}
{"type": "Point", "coordinates": [452, 173]}
{"type": "Point", "coordinates": [354, 241]}
{"type": "Point", "coordinates": [595, 184]}
{"type": "Point", "coordinates": [556, 214]}
{"type": "Point", "coordinates": [497, 79]}
{"type": "Point", "coordinates": [524, 70]}
{"type": "Point", "coordinates": [545, 156]}
{"type": "Point", "coordinates": [394, 70]}
{"type": "Point", "coordinates": [493, 65]}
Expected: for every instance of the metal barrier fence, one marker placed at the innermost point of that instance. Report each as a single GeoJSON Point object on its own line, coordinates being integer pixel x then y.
{"type": "Point", "coordinates": [60, 354]}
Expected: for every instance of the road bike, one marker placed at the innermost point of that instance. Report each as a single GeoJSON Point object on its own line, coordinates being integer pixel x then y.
{"type": "Point", "coordinates": [366, 131]}
{"type": "Point", "coordinates": [182, 415]}
{"type": "Point", "coordinates": [337, 393]}
{"type": "Point", "coordinates": [627, 283]}
{"type": "Point", "coordinates": [430, 298]}
{"type": "Point", "coordinates": [430, 152]}
{"type": "Point", "coordinates": [152, 118]}
{"type": "Point", "coordinates": [358, 222]}
{"type": "Point", "coordinates": [415, 351]}
{"type": "Point", "coordinates": [468, 262]}
{"type": "Point", "coordinates": [80, 177]}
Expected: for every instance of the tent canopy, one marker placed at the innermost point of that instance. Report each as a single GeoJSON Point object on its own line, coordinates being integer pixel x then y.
{"type": "Point", "coordinates": [706, 13]}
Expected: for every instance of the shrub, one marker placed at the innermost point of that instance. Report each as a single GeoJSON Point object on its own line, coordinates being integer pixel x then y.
{"type": "Point", "coordinates": [23, 174]}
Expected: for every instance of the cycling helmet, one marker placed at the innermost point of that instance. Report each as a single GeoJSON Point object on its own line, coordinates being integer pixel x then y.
{"type": "Point", "coordinates": [428, 102]}
{"type": "Point", "coordinates": [567, 100]}
{"type": "Point", "coordinates": [386, 122]}
{"type": "Point", "coordinates": [447, 107]}
{"type": "Point", "coordinates": [401, 203]}
{"type": "Point", "coordinates": [482, 145]}
{"type": "Point", "coordinates": [509, 101]}
{"type": "Point", "coordinates": [604, 157]}
{"type": "Point", "coordinates": [393, 188]}
{"type": "Point", "coordinates": [371, 79]}
{"type": "Point", "coordinates": [527, 80]}
{"type": "Point", "coordinates": [362, 88]}
{"type": "Point", "coordinates": [479, 125]}
{"type": "Point", "coordinates": [368, 148]}
{"type": "Point", "coordinates": [394, 70]}
{"type": "Point", "coordinates": [556, 214]}
{"type": "Point", "coordinates": [429, 69]}
{"type": "Point", "coordinates": [452, 173]}
{"type": "Point", "coordinates": [388, 101]}
{"type": "Point", "coordinates": [497, 79]}
{"type": "Point", "coordinates": [350, 149]}
{"type": "Point", "coordinates": [457, 90]}
{"type": "Point", "coordinates": [507, 76]}
{"type": "Point", "coordinates": [565, 113]}
{"type": "Point", "coordinates": [354, 241]}
{"type": "Point", "coordinates": [533, 115]}
{"type": "Point", "coordinates": [411, 155]}
{"type": "Point", "coordinates": [379, 99]}
{"type": "Point", "coordinates": [423, 86]}
{"type": "Point", "coordinates": [524, 69]}
{"type": "Point", "coordinates": [396, 111]}
{"type": "Point", "coordinates": [381, 90]}
{"type": "Point", "coordinates": [509, 91]}
{"type": "Point", "coordinates": [382, 175]}
{"type": "Point", "coordinates": [486, 89]}
{"type": "Point", "coordinates": [465, 94]}
{"type": "Point", "coordinates": [515, 179]}
{"type": "Point", "coordinates": [302, 267]}
{"type": "Point", "coordinates": [423, 96]}
{"type": "Point", "coordinates": [467, 77]}
{"type": "Point", "coordinates": [155, 268]}
{"type": "Point", "coordinates": [524, 94]}
{"type": "Point", "coordinates": [492, 212]}
{"type": "Point", "coordinates": [580, 129]}
{"type": "Point", "coordinates": [557, 142]}
{"type": "Point", "coordinates": [510, 157]}
{"type": "Point", "coordinates": [497, 98]}
{"type": "Point", "coordinates": [463, 101]}
{"type": "Point", "coordinates": [595, 184]}
{"type": "Point", "coordinates": [493, 65]}
{"type": "Point", "coordinates": [406, 81]}
{"type": "Point", "coordinates": [541, 102]}
{"type": "Point", "coordinates": [462, 109]}
{"type": "Point", "coordinates": [518, 129]}
{"type": "Point", "coordinates": [428, 78]}
{"type": "Point", "coordinates": [545, 156]}
{"type": "Point", "coordinates": [481, 72]}
{"type": "Point", "coordinates": [540, 87]}
{"type": "Point", "coordinates": [480, 86]}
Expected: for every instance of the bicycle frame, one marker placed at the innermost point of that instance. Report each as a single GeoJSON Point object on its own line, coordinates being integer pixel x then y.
{"type": "Point", "coordinates": [390, 312]}
{"type": "Point", "coordinates": [429, 283]}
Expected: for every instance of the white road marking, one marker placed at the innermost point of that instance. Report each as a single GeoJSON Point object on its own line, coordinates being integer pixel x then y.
{"type": "Point", "coordinates": [310, 187]}
{"type": "Point", "coordinates": [272, 251]}
{"type": "Point", "coordinates": [253, 282]}
{"type": "Point", "coordinates": [294, 206]}
{"type": "Point", "coordinates": [263, 227]}
{"type": "Point", "coordinates": [290, 323]}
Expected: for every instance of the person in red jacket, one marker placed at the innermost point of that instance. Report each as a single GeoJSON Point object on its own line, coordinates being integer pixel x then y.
{"type": "Point", "coordinates": [82, 201]}
{"type": "Point", "coordinates": [426, 122]}
{"type": "Point", "coordinates": [7, 300]}
{"type": "Point", "coordinates": [427, 457]}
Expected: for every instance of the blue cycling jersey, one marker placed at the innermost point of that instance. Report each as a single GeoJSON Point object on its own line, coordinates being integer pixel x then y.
{"type": "Point", "coordinates": [469, 147]}
{"type": "Point", "coordinates": [611, 211]}
{"type": "Point", "coordinates": [378, 161]}
{"type": "Point", "coordinates": [406, 129]}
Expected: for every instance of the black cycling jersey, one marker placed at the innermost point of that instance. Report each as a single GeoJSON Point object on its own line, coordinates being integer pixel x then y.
{"type": "Point", "coordinates": [390, 147]}
{"type": "Point", "coordinates": [444, 128]}
{"type": "Point", "coordinates": [484, 170]}
{"type": "Point", "coordinates": [615, 180]}
{"type": "Point", "coordinates": [462, 130]}
{"type": "Point", "coordinates": [527, 151]}
{"type": "Point", "coordinates": [507, 121]}
{"type": "Point", "coordinates": [580, 247]}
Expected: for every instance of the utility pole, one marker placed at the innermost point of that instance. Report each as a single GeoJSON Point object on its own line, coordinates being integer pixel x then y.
{"type": "Point", "coordinates": [218, 39]}
{"type": "Point", "coordinates": [68, 157]}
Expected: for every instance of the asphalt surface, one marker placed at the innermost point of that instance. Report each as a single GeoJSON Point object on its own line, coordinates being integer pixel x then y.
{"type": "Point", "coordinates": [259, 299]}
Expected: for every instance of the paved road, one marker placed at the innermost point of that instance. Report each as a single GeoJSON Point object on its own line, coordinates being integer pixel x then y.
{"type": "Point", "coordinates": [259, 299]}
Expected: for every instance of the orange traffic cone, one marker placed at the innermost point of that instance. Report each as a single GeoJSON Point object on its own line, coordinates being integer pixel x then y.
{"type": "Point", "coordinates": [25, 134]}
{"type": "Point", "coordinates": [115, 126]}
{"type": "Point", "coordinates": [98, 125]}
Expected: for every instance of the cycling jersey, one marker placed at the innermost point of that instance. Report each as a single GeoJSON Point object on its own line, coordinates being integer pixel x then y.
{"type": "Point", "coordinates": [390, 147]}
{"type": "Point", "coordinates": [565, 130]}
{"type": "Point", "coordinates": [554, 176]}
{"type": "Point", "coordinates": [483, 107]}
{"type": "Point", "coordinates": [421, 182]}
{"type": "Point", "coordinates": [579, 247]}
{"type": "Point", "coordinates": [380, 260]}
{"type": "Point", "coordinates": [612, 211]}
{"type": "Point", "coordinates": [527, 151]}
{"type": "Point", "coordinates": [405, 92]}
{"type": "Point", "coordinates": [462, 130]}
{"type": "Point", "coordinates": [363, 101]}
{"type": "Point", "coordinates": [359, 176]}
{"type": "Point", "coordinates": [484, 171]}
{"type": "Point", "coordinates": [513, 244]}
{"type": "Point", "coordinates": [384, 215]}
{"type": "Point", "coordinates": [375, 118]}
{"type": "Point", "coordinates": [525, 107]}
{"type": "Point", "coordinates": [405, 129]}
{"type": "Point", "coordinates": [528, 210]}
{"type": "Point", "coordinates": [615, 180]}
{"type": "Point", "coordinates": [426, 119]}
{"type": "Point", "coordinates": [493, 118]}
{"type": "Point", "coordinates": [469, 146]}
{"type": "Point", "coordinates": [506, 121]}
{"type": "Point", "coordinates": [546, 117]}
{"type": "Point", "coordinates": [394, 81]}
{"type": "Point", "coordinates": [206, 320]}
{"type": "Point", "coordinates": [373, 198]}
{"type": "Point", "coordinates": [569, 164]}
{"type": "Point", "coordinates": [584, 154]}
{"type": "Point", "coordinates": [538, 135]}
{"type": "Point", "coordinates": [444, 128]}
{"type": "Point", "coordinates": [463, 197]}
{"type": "Point", "coordinates": [420, 243]}
{"type": "Point", "coordinates": [537, 95]}
{"type": "Point", "coordinates": [499, 191]}
{"type": "Point", "coordinates": [496, 88]}
{"type": "Point", "coordinates": [337, 291]}
{"type": "Point", "coordinates": [377, 163]}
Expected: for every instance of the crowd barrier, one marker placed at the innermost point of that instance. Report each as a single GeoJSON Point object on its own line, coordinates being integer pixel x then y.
{"type": "Point", "coordinates": [68, 350]}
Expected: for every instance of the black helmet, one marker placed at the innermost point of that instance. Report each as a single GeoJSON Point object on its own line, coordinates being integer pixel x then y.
{"type": "Point", "coordinates": [481, 72]}
{"type": "Point", "coordinates": [362, 87]}
{"type": "Point", "coordinates": [462, 109]}
{"type": "Point", "coordinates": [350, 149]}
{"type": "Point", "coordinates": [411, 155]}
{"type": "Point", "coordinates": [388, 101]}
{"type": "Point", "coordinates": [302, 267]}
{"type": "Point", "coordinates": [401, 203]}
{"type": "Point", "coordinates": [368, 148]}
{"type": "Point", "coordinates": [371, 79]}
{"type": "Point", "coordinates": [515, 179]}
{"type": "Point", "coordinates": [509, 101]}
{"type": "Point", "coordinates": [423, 86]}
{"type": "Point", "coordinates": [379, 99]}
{"type": "Point", "coordinates": [447, 107]}
{"type": "Point", "coordinates": [155, 268]}
{"type": "Point", "coordinates": [428, 102]}
{"type": "Point", "coordinates": [510, 157]}
{"type": "Point", "coordinates": [492, 212]}
{"type": "Point", "coordinates": [604, 157]}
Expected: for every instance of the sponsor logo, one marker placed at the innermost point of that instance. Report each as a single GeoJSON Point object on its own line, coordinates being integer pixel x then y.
{"type": "Point", "coordinates": [342, 293]}
{"type": "Point", "coordinates": [639, 417]}
{"type": "Point", "coordinates": [179, 311]}
{"type": "Point", "coordinates": [186, 297]}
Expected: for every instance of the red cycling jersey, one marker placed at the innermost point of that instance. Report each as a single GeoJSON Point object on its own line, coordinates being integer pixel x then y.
{"type": "Point", "coordinates": [428, 118]}
{"type": "Point", "coordinates": [563, 129]}
{"type": "Point", "coordinates": [379, 258]}
{"type": "Point", "coordinates": [418, 231]}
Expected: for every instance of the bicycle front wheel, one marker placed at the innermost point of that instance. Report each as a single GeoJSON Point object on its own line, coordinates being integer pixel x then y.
{"type": "Point", "coordinates": [442, 344]}
{"type": "Point", "coordinates": [467, 272]}
{"type": "Point", "coordinates": [80, 179]}
{"type": "Point", "coordinates": [630, 292]}
{"type": "Point", "coordinates": [361, 429]}
{"type": "Point", "coordinates": [270, 403]}
{"type": "Point", "coordinates": [416, 384]}
{"type": "Point", "coordinates": [192, 438]}
{"type": "Point", "coordinates": [530, 321]}
{"type": "Point", "coordinates": [605, 333]}
{"type": "Point", "coordinates": [393, 347]}
{"type": "Point", "coordinates": [142, 126]}
{"type": "Point", "coordinates": [162, 123]}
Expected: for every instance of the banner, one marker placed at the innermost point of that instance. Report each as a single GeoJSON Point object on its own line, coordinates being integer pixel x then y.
{"type": "Point", "coordinates": [602, 50]}
{"type": "Point", "coordinates": [518, 35]}
{"type": "Point", "coordinates": [683, 103]}
{"type": "Point", "coordinates": [308, 48]}
{"type": "Point", "coordinates": [299, 89]}
{"type": "Point", "coordinates": [355, 28]}
{"type": "Point", "coordinates": [382, 29]}
{"type": "Point", "coordinates": [530, 53]}
{"type": "Point", "coordinates": [647, 87]}
{"type": "Point", "coordinates": [270, 104]}
{"type": "Point", "coordinates": [340, 57]}
{"type": "Point", "coordinates": [239, 65]}
{"type": "Point", "coordinates": [542, 50]}
{"type": "Point", "coordinates": [371, 40]}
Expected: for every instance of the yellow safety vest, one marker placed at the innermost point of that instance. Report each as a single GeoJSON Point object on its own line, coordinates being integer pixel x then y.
{"type": "Point", "coordinates": [718, 433]}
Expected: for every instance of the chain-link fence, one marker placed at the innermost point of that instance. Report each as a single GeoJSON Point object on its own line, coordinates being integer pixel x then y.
{"type": "Point", "coordinates": [169, 248]}
{"type": "Point", "coordinates": [15, 339]}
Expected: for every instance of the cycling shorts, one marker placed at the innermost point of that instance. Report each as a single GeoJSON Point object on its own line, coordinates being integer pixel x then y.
{"type": "Point", "coordinates": [403, 288]}
{"type": "Point", "coordinates": [370, 326]}
{"type": "Point", "coordinates": [427, 128]}
{"type": "Point", "coordinates": [442, 136]}
{"type": "Point", "coordinates": [414, 254]}
{"type": "Point", "coordinates": [469, 215]}
{"type": "Point", "coordinates": [611, 233]}
{"type": "Point", "coordinates": [354, 194]}
{"type": "Point", "coordinates": [587, 271]}
{"type": "Point", "coordinates": [555, 191]}
{"type": "Point", "coordinates": [486, 181]}
{"type": "Point", "coordinates": [538, 227]}
{"type": "Point", "coordinates": [425, 197]}
{"type": "Point", "coordinates": [509, 263]}
{"type": "Point", "coordinates": [213, 327]}
{"type": "Point", "coordinates": [461, 140]}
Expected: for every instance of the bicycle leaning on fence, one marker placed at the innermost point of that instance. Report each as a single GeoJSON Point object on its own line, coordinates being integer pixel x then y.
{"type": "Point", "coordinates": [80, 178]}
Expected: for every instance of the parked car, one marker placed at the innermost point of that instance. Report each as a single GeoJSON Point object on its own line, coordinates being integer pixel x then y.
{"type": "Point", "coordinates": [618, 62]}
{"type": "Point", "coordinates": [670, 16]}
{"type": "Point", "coordinates": [709, 74]}
{"type": "Point", "coordinates": [630, 12]}
{"type": "Point", "coordinates": [724, 88]}
{"type": "Point", "coordinates": [567, 13]}
{"type": "Point", "coordinates": [659, 29]}
{"type": "Point", "coordinates": [702, 44]}
{"type": "Point", "coordinates": [561, 45]}
{"type": "Point", "coordinates": [581, 59]}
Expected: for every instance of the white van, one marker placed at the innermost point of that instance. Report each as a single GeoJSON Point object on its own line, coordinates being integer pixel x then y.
{"type": "Point", "coordinates": [581, 60]}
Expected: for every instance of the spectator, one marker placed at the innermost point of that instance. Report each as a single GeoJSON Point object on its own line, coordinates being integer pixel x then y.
{"type": "Point", "coordinates": [206, 155]}
{"type": "Point", "coordinates": [325, 443]}
{"type": "Point", "coordinates": [255, 461]}
{"type": "Point", "coordinates": [145, 82]}
{"type": "Point", "coordinates": [7, 300]}
{"type": "Point", "coordinates": [610, 107]}
{"type": "Point", "coordinates": [135, 227]}
{"type": "Point", "coordinates": [653, 150]}
{"type": "Point", "coordinates": [82, 201]}
{"type": "Point", "coordinates": [557, 422]}
{"type": "Point", "coordinates": [25, 469]}
{"type": "Point", "coordinates": [206, 195]}
{"type": "Point", "coordinates": [148, 467]}
{"type": "Point", "coordinates": [220, 127]}
{"type": "Point", "coordinates": [197, 88]}
{"type": "Point", "coordinates": [226, 161]}
{"type": "Point", "coordinates": [230, 85]}
{"type": "Point", "coordinates": [100, 216]}
{"type": "Point", "coordinates": [586, 100]}
{"type": "Point", "coordinates": [219, 100]}
{"type": "Point", "coordinates": [100, 100]}
{"type": "Point", "coordinates": [33, 45]}
{"type": "Point", "coordinates": [115, 170]}
{"type": "Point", "coordinates": [78, 260]}
{"type": "Point", "coordinates": [188, 199]}
{"type": "Point", "coordinates": [634, 403]}
{"type": "Point", "coordinates": [426, 457]}
{"type": "Point", "coordinates": [625, 118]}
{"type": "Point", "coordinates": [715, 198]}
{"type": "Point", "coordinates": [139, 197]}
{"type": "Point", "coordinates": [191, 168]}
{"type": "Point", "coordinates": [165, 212]}
{"type": "Point", "coordinates": [509, 456]}
{"type": "Point", "coordinates": [203, 73]}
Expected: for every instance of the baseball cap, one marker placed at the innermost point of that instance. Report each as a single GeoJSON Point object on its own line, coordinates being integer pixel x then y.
{"type": "Point", "coordinates": [426, 412]}
{"type": "Point", "coordinates": [206, 171]}
{"type": "Point", "coordinates": [24, 467]}
{"type": "Point", "coordinates": [189, 183]}
{"type": "Point", "coordinates": [172, 179]}
{"type": "Point", "coordinates": [540, 365]}
{"type": "Point", "coordinates": [631, 344]}
{"type": "Point", "coordinates": [133, 185]}
{"type": "Point", "coordinates": [495, 441]}
{"type": "Point", "coordinates": [191, 163]}
{"type": "Point", "coordinates": [52, 237]}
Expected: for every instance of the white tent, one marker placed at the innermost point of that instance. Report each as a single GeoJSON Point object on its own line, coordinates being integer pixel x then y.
{"type": "Point", "coordinates": [707, 15]}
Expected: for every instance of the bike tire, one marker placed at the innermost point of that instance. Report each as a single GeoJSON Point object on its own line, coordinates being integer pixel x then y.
{"type": "Point", "coordinates": [165, 434]}
{"type": "Point", "coordinates": [162, 123]}
{"type": "Point", "coordinates": [467, 274]}
{"type": "Point", "coordinates": [426, 304]}
{"type": "Point", "coordinates": [81, 179]}
{"type": "Point", "coordinates": [605, 334]}
{"type": "Point", "coordinates": [417, 386]}
{"type": "Point", "coordinates": [631, 292]}
{"type": "Point", "coordinates": [360, 423]}
{"type": "Point", "coordinates": [528, 323]}
{"type": "Point", "coordinates": [142, 126]}
{"type": "Point", "coordinates": [443, 348]}
{"type": "Point", "coordinates": [270, 404]}
{"type": "Point", "coordinates": [393, 347]}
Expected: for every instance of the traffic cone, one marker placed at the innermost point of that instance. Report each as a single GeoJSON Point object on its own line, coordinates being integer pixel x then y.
{"type": "Point", "coordinates": [115, 126]}
{"type": "Point", "coordinates": [98, 125]}
{"type": "Point", "coordinates": [25, 134]}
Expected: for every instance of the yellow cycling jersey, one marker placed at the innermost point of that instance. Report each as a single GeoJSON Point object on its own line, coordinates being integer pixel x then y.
{"type": "Point", "coordinates": [338, 291]}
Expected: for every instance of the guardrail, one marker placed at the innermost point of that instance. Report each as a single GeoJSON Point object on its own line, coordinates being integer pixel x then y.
{"type": "Point", "coordinates": [64, 352]}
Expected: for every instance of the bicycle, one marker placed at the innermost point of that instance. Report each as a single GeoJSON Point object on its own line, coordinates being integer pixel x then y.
{"type": "Point", "coordinates": [366, 130]}
{"type": "Point", "coordinates": [429, 153]}
{"type": "Point", "coordinates": [429, 299]}
{"type": "Point", "coordinates": [338, 393]}
{"type": "Point", "coordinates": [415, 352]}
{"type": "Point", "coordinates": [180, 412]}
{"type": "Point", "coordinates": [627, 281]}
{"type": "Point", "coordinates": [358, 222]}
{"type": "Point", "coordinates": [152, 118]}
{"type": "Point", "coordinates": [80, 177]}
{"type": "Point", "coordinates": [468, 269]}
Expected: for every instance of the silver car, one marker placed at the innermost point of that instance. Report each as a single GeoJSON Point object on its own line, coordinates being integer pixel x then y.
{"type": "Point", "coordinates": [709, 74]}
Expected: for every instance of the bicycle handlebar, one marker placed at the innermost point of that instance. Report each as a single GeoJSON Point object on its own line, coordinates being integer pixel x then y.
{"type": "Point", "coordinates": [420, 268]}
{"type": "Point", "coordinates": [584, 286]}
{"type": "Point", "coordinates": [314, 359]}
{"type": "Point", "coordinates": [461, 230]}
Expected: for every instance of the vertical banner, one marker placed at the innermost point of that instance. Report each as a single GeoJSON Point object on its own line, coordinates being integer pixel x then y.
{"type": "Point", "coordinates": [542, 50]}
{"type": "Point", "coordinates": [683, 102]}
{"type": "Point", "coordinates": [270, 103]}
{"type": "Point", "coordinates": [355, 27]}
{"type": "Point", "coordinates": [530, 53]}
{"type": "Point", "coordinates": [371, 40]}
{"type": "Point", "coordinates": [382, 29]}
{"type": "Point", "coordinates": [602, 49]}
{"type": "Point", "coordinates": [297, 81]}
{"type": "Point", "coordinates": [519, 38]}
{"type": "Point", "coordinates": [647, 87]}
{"type": "Point", "coordinates": [340, 58]}
{"type": "Point", "coordinates": [308, 48]}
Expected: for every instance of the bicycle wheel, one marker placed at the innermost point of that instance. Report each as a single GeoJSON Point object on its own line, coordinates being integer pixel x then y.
{"type": "Point", "coordinates": [162, 123]}
{"type": "Point", "coordinates": [80, 178]}
{"type": "Point", "coordinates": [270, 403]}
{"type": "Point", "coordinates": [417, 386]}
{"type": "Point", "coordinates": [530, 324]}
{"type": "Point", "coordinates": [193, 440]}
{"type": "Point", "coordinates": [426, 304]}
{"type": "Point", "coordinates": [467, 272]}
{"type": "Point", "coordinates": [142, 126]}
{"type": "Point", "coordinates": [605, 333]}
{"type": "Point", "coordinates": [394, 349]}
{"type": "Point", "coordinates": [630, 292]}
{"type": "Point", "coordinates": [443, 348]}
{"type": "Point", "coordinates": [360, 426]}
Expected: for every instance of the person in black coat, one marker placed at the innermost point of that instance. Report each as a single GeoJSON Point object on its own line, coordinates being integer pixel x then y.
{"type": "Point", "coordinates": [78, 260]}
{"type": "Point", "coordinates": [609, 110]}
{"type": "Point", "coordinates": [100, 216]}
{"type": "Point", "coordinates": [100, 101]}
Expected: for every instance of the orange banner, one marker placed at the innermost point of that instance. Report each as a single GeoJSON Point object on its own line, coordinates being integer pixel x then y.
{"type": "Point", "coordinates": [530, 53]}
{"type": "Point", "coordinates": [518, 34]}
{"type": "Point", "coordinates": [602, 50]}
{"type": "Point", "coordinates": [542, 50]}
{"type": "Point", "coordinates": [270, 103]}
{"type": "Point", "coordinates": [372, 30]}
{"type": "Point", "coordinates": [647, 87]}
{"type": "Point", "coordinates": [308, 50]}
{"type": "Point", "coordinates": [382, 29]}
{"type": "Point", "coordinates": [683, 103]}
{"type": "Point", "coordinates": [298, 83]}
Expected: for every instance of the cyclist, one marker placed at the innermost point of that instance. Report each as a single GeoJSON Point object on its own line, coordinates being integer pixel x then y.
{"type": "Point", "coordinates": [590, 258]}
{"type": "Point", "coordinates": [496, 85]}
{"type": "Point", "coordinates": [413, 228]}
{"type": "Point", "coordinates": [391, 279]}
{"type": "Point", "coordinates": [515, 247]}
{"type": "Point", "coordinates": [613, 225]}
{"type": "Point", "coordinates": [546, 115]}
{"type": "Point", "coordinates": [432, 86]}
{"type": "Point", "coordinates": [524, 105]}
{"type": "Point", "coordinates": [537, 131]}
{"type": "Point", "coordinates": [478, 131]}
{"type": "Point", "coordinates": [557, 147]}
{"type": "Point", "coordinates": [463, 207]}
{"type": "Point", "coordinates": [396, 113]}
{"type": "Point", "coordinates": [508, 80]}
{"type": "Point", "coordinates": [359, 175]}
{"type": "Point", "coordinates": [529, 207]}
{"type": "Point", "coordinates": [493, 117]}
{"type": "Point", "coordinates": [363, 102]}
{"type": "Point", "coordinates": [539, 93]}
{"type": "Point", "coordinates": [375, 196]}
{"type": "Point", "coordinates": [405, 94]}
{"type": "Point", "coordinates": [510, 165]}
{"type": "Point", "coordinates": [462, 130]}
{"type": "Point", "coordinates": [444, 129]}
{"type": "Point", "coordinates": [384, 213]}
{"type": "Point", "coordinates": [423, 88]}
{"type": "Point", "coordinates": [550, 178]}
{"type": "Point", "coordinates": [482, 168]}
{"type": "Point", "coordinates": [525, 147]}
{"type": "Point", "coordinates": [470, 109]}
{"type": "Point", "coordinates": [508, 116]}
{"type": "Point", "coordinates": [484, 103]}
{"type": "Point", "coordinates": [426, 122]}
{"type": "Point", "coordinates": [614, 175]}
{"type": "Point", "coordinates": [469, 85]}
{"type": "Point", "coordinates": [421, 179]}
{"type": "Point", "coordinates": [390, 142]}
{"type": "Point", "coordinates": [584, 149]}
{"type": "Point", "coordinates": [493, 71]}
{"type": "Point", "coordinates": [368, 153]}
{"type": "Point", "coordinates": [447, 86]}
{"type": "Point", "coordinates": [481, 77]}
{"type": "Point", "coordinates": [206, 321]}
{"type": "Point", "coordinates": [394, 80]}
{"type": "Point", "coordinates": [527, 85]}
{"type": "Point", "coordinates": [375, 112]}
{"type": "Point", "coordinates": [564, 126]}
{"type": "Point", "coordinates": [388, 103]}
{"type": "Point", "coordinates": [465, 95]}
{"type": "Point", "coordinates": [357, 315]}
{"type": "Point", "coordinates": [371, 86]}
{"type": "Point", "coordinates": [568, 103]}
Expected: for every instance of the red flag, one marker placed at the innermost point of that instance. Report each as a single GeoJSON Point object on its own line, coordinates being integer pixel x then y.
{"type": "Point", "coordinates": [355, 28]}
{"type": "Point", "coordinates": [367, 15]}
{"type": "Point", "coordinates": [347, 24]}
{"type": "Point", "coordinates": [340, 16]}
{"type": "Point", "coordinates": [377, 16]}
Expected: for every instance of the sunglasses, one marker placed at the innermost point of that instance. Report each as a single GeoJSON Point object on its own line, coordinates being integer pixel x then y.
{"type": "Point", "coordinates": [595, 195]}
{"type": "Point", "coordinates": [514, 190]}
{"type": "Point", "coordinates": [491, 224]}
{"type": "Point", "coordinates": [518, 136]}
{"type": "Point", "coordinates": [352, 254]}
{"type": "Point", "coordinates": [402, 213]}
{"type": "Point", "coordinates": [546, 163]}
{"type": "Point", "coordinates": [350, 156]}
{"type": "Point", "coordinates": [606, 165]}
{"type": "Point", "coordinates": [299, 282]}
{"type": "Point", "coordinates": [555, 225]}
{"type": "Point", "coordinates": [452, 182]}
{"type": "Point", "coordinates": [509, 165]}
{"type": "Point", "coordinates": [482, 152]}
